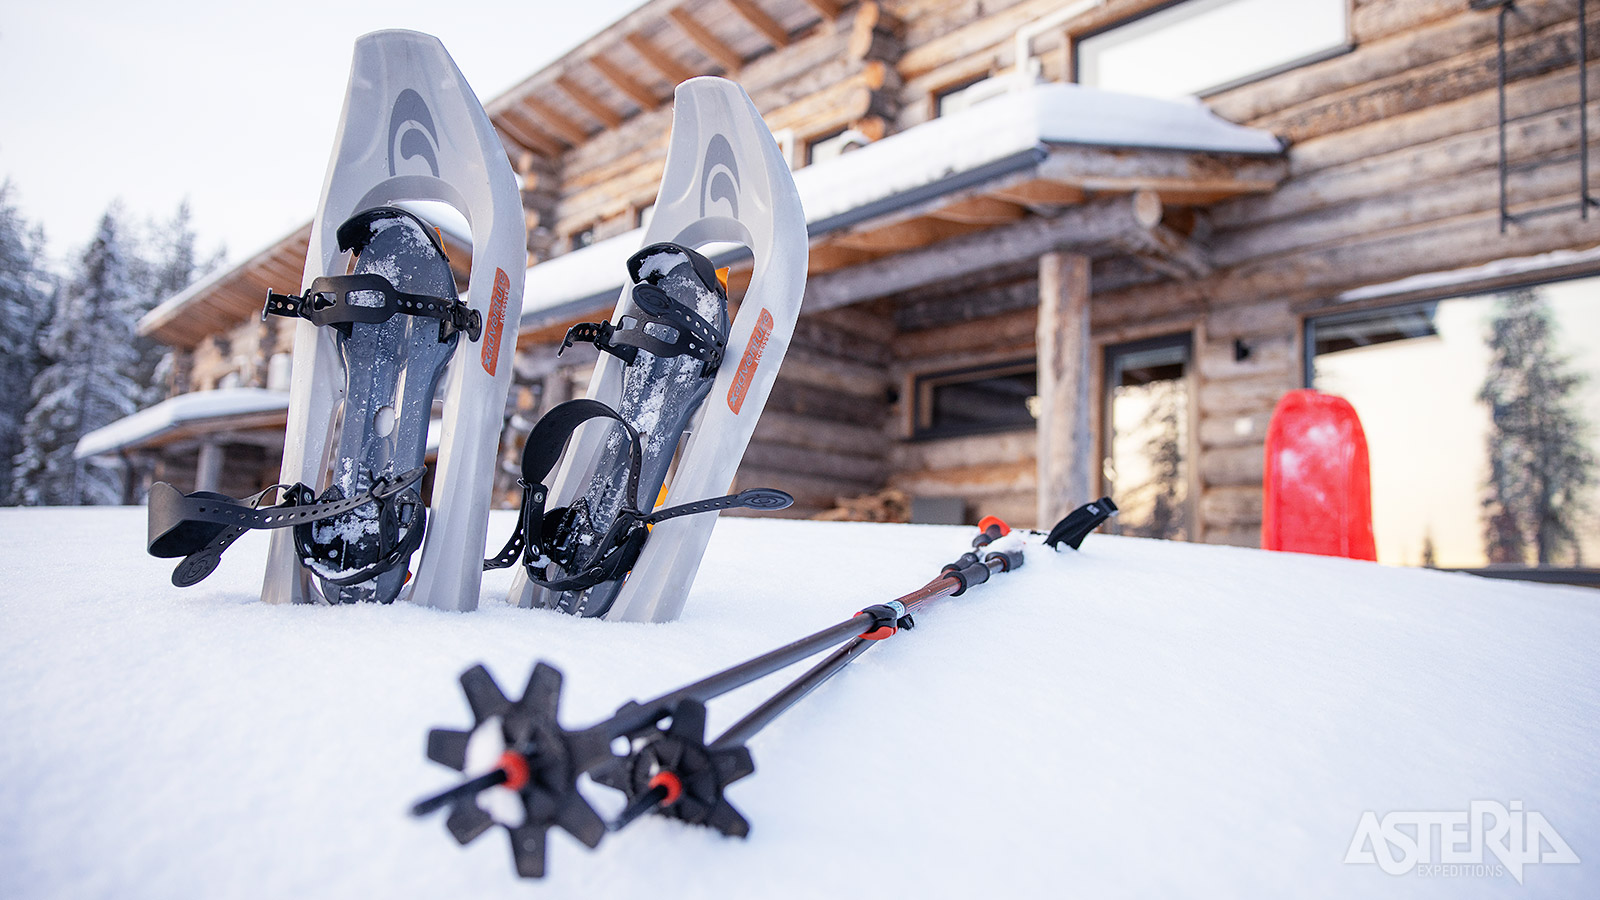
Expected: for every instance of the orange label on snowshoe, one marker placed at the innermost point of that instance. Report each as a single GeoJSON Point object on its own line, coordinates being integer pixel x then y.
{"type": "Point", "coordinates": [747, 365]}
{"type": "Point", "coordinates": [497, 321]}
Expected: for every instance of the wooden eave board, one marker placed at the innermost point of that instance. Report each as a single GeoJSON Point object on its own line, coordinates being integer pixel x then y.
{"type": "Point", "coordinates": [652, 23]}
{"type": "Point", "coordinates": [1180, 178]}
{"type": "Point", "coordinates": [236, 296]}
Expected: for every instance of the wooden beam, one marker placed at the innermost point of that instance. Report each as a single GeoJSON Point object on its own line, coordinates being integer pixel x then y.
{"type": "Point", "coordinates": [658, 59]}
{"type": "Point", "coordinates": [547, 118]}
{"type": "Point", "coordinates": [760, 21]}
{"type": "Point", "coordinates": [1167, 252]}
{"type": "Point", "coordinates": [626, 83]}
{"type": "Point", "coordinates": [828, 9]}
{"type": "Point", "coordinates": [520, 131]}
{"type": "Point", "coordinates": [1064, 446]}
{"type": "Point", "coordinates": [712, 45]}
{"type": "Point", "coordinates": [596, 107]}
{"type": "Point", "coordinates": [981, 211]}
{"type": "Point", "coordinates": [1079, 228]}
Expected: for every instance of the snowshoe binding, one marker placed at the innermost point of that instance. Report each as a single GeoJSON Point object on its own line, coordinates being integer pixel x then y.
{"type": "Point", "coordinates": [671, 344]}
{"type": "Point", "coordinates": [676, 377]}
{"type": "Point", "coordinates": [381, 335]}
{"type": "Point", "coordinates": [397, 321]}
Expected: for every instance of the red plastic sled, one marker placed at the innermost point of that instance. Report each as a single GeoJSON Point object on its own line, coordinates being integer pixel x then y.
{"type": "Point", "coordinates": [1317, 485]}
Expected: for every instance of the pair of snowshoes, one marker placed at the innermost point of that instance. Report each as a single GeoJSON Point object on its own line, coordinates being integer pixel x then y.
{"type": "Point", "coordinates": [381, 329]}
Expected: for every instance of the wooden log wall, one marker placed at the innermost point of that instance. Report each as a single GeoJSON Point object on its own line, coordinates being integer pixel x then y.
{"type": "Point", "coordinates": [1393, 172]}
{"type": "Point", "coordinates": [822, 434]}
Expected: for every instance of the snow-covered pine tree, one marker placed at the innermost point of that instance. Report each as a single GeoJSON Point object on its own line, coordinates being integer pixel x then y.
{"type": "Point", "coordinates": [85, 385]}
{"type": "Point", "coordinates": [1539, 460]}
{"type": "Point", "coordinates": [25, 289]}
{"type": "Point", "coordinates": [166, 264]}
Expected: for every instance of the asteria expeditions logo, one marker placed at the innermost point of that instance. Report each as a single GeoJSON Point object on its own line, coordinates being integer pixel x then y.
{"type": "Point", "coordinates": [1403, 841]}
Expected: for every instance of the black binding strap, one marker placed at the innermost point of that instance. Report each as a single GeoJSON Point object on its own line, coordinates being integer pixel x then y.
{"type": "Point", "coordinates": [328, 300]}
{"type": "Point", "coordinates": [199, 526]}
{"type": "Point", "coordinates": [541, 537]}
{"type": "Point", "coordinates": [692, 335]}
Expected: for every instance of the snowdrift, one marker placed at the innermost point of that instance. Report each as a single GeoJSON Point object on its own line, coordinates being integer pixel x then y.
{"type": "Point", "coordinates": [1136, 719]}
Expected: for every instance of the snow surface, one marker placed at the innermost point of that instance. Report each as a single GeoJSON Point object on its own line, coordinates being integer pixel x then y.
{"type": "Point", "coordinates": [1136, 719]}
{"type": "Point", "coordinates": [986, 133]}
{"type": "Point", "coordinates": [177, 411]}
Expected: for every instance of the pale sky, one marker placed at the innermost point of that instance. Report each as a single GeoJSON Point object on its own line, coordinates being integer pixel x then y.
{"type": "Point", "coordinates": [232, 105]}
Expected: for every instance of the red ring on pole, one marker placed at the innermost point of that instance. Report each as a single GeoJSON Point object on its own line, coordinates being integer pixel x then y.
{"type": "Point", "coordinates": [669, 781]}
{"type": "Point", "coordinates": [515, 765]}
{"type": "Point", "coordinates": [986, 521]}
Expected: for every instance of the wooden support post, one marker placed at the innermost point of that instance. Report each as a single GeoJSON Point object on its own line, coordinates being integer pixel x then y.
{"type": "Point", "coordinates": [1064, 450]}
{"type": "Point", "coordinates": [208, 471]}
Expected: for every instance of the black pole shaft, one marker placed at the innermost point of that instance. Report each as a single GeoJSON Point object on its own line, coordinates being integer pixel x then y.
{"type": "Point", "coordinates": [465, 789]}
{"type": "Point", "coordinates": [642, 804]}
{"type": "Point", "coordinates": [763, 715]}
{"type": "Point", "coordinates": [635, 716]}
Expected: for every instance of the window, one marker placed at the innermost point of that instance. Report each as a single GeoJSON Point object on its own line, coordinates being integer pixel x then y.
{"type": "Point", "coordinates": [1482, 416]}
{"type": "Point", "coordinates": [1146, 463]}
{"type": "Point", "coordinates": [976, 400]}
{"type": "Point", "coordinates": [956, 97]}
{"type": "Point", "coordinates": [581, 239]}
{"type": "Point", "coordinates": [835, 144]}
{"type": "Point", "coordinates": [1202, 46]}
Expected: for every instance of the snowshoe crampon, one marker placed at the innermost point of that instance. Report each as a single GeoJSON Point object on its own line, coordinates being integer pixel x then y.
{"type": "Point", "coordinates": [381, 328]}
{"type": "Point", "coordinates": [675, 377]}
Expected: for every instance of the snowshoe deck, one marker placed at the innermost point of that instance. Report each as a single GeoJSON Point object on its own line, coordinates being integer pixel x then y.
{"type": "Point", "coordinates": [412, 130]}
{"type": "Point", "coordinates": [725, 182]}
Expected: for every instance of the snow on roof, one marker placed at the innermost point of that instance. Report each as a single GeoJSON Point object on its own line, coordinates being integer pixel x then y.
{"type": "Point", "coordinates": [1540, 264]}
{"type": "Point", "coordinates": [1138, 719]}
{"type": "Point", "coordinates": [1008, 132]}
{"type": "Point", "coordinates": [184, 409]}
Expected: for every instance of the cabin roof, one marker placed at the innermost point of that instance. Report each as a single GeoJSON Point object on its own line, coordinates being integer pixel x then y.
{"type": "Point", "coordinates": [1030, 151]}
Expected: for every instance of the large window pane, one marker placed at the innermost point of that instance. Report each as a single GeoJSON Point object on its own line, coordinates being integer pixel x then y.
{"type": "Point", "coordinates": [1146, 464]}
{"type": "Point", "coordinates": [1198, 45]}
{"type": "Point", "coordinates": [1481, 415]}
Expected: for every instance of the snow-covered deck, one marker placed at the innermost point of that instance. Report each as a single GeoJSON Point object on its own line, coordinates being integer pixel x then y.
{"type": "Point", "coordinates": [1136, 719]}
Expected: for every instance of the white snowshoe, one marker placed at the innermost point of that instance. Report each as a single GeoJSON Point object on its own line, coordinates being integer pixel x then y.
{"type": "Point", "coordinates": [372, 349]}
{"type": "Point", "coordinates": [673, 373]}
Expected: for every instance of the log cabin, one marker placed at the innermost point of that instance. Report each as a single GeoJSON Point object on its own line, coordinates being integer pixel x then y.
{"type": "Point", "coordinates": [1058, 248]}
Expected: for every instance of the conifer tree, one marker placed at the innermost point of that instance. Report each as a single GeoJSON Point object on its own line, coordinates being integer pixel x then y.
{"type": "Point", "coordinates": [164, 263]}
{"type": "Point", "coordinates": [1539, 458]}
{"type": "Point", "coordinates": [25, 289]}
{"type": "Point", "coordinates": [85, 384]}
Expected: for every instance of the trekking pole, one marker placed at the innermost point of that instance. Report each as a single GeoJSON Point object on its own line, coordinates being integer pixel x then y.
{"type": "Point", "coordinates": [542, 762]}
{"type": "Point", "coordinates": [676, 774]}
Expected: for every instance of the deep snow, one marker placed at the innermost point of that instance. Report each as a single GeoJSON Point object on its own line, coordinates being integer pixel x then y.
{"type": "Point", "coordinates": [1136, 719]}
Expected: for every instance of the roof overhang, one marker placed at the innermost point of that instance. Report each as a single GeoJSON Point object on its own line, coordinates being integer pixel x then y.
{"type": "Point", "coordinates": [189, 416]}
{"type": "Point", "coordinates": [1029, 153]}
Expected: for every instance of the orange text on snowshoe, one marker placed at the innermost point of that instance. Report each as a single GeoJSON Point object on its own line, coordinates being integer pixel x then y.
{"type": "Point", "coordinates": [747, 365]}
